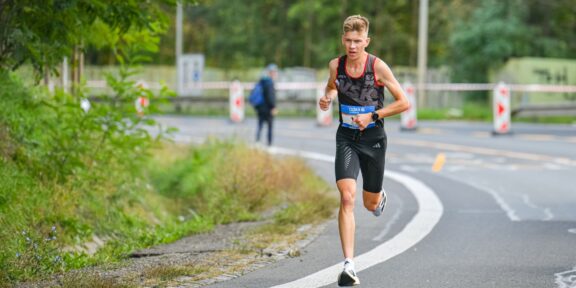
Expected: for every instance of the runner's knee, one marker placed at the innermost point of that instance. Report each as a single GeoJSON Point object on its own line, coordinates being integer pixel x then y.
{"type": "Point", "coordinates": [347, 200]}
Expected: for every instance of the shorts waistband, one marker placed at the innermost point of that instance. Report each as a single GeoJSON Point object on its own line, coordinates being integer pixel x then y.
{"type": "Point", "coordinates": [355, 134]}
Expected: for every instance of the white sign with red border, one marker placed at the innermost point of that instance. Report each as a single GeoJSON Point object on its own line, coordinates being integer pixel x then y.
{"type": "Point", "coordinates": [324, 118]}
{"type": "Point", "coordinates": [408, 118]}
{"type": "Point", "coordinates": [142, 102]}
{"type": "Point", "coordinates": [237, 106]}
{"type": "Point", "coordinates": [501, 108]}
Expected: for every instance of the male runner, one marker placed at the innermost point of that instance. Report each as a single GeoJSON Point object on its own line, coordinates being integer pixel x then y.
{"type": "Point", "coordinates": [359, 79]}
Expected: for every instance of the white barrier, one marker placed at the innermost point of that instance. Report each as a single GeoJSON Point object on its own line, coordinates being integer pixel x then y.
{"type": "Point", "coordinates": [237, 106]}
{"type": "Point", "coordinates": [324, 118]}
{"type": "Point", "coordinates": [501, 108]}
{"type": "Point", "coordinates": [142, 101]}
{"type": "Point", "coordinates": [409, 118]}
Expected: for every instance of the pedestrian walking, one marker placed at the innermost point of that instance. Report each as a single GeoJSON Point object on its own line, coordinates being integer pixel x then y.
{"type": "Point", "coordinates": [263, 99]}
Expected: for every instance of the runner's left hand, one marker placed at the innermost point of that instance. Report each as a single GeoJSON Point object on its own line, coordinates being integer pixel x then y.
{"type": "Point", "coordinates": [362, 120]}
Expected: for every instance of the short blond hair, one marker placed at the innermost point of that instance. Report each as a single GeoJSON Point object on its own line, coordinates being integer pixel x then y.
{"type": "Point", "coordinates": [356, 23]}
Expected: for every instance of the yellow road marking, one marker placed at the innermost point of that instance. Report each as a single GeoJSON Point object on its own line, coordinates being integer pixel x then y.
{"type": "Point", "coordinates": [439, 162]}
{"type": "Point", "coordinates": [485, 151]}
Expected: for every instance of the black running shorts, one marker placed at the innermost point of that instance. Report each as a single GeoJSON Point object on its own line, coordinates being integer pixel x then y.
{"type": "Point", "coordinates": [361, 151]}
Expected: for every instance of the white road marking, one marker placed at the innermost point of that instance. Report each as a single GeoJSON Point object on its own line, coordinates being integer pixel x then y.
{"type": "Point", "coordinates": [573, 230]}
{"type": "Point", "coordinates": [390, 221]}
{"type": "Point", "coordinates": [548, 214]}
{"type": "Point", "coordinates": [479, 211]}
{"type": "Point", "coordinates": [408, 168]}
{"type": "Point", "coordinates": [566, 279]}
{"type": "Point", "coordinates": [507, 208]}
{"type": "Point", "coordinates": [429, 213]}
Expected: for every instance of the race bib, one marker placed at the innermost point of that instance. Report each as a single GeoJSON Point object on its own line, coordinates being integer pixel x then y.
{"type": "Point", "coordinates": [348, 112]}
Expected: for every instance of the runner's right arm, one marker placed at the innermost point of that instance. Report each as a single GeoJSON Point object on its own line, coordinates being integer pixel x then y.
{"type": "Point", "coordinates": [331, 91]}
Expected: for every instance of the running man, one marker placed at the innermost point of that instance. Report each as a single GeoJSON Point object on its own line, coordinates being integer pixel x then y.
{"type": "Point", "coordinates": [358, 79]}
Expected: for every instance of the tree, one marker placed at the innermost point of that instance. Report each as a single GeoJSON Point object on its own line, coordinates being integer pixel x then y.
{"type": "Point", "coordinates": [499, 30]}
{"type": "Point", "coordinates": [495, 32]}
{"type": "Point", "coordinates": [42, 32]}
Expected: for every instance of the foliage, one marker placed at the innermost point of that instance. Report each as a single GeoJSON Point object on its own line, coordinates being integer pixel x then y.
{"type": "Point", "coordinates": [40, 254]}
{"type": "Point", "coordinates": [499, 30]}
{"type": "Point", "coordinates": [42, 32]}
{"type": "Point", "coordinates": [307, 33]}
{"type": "Point", "coordinates": [494, 33]}
{"type": "Point", "coordinates": [235, 34]}
{"type": "Point", "coordinates": [79, 170]}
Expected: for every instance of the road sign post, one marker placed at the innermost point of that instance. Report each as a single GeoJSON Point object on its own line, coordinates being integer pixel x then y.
{"type": "Point", "coordinates": [501, 109]}
{"type": "Point", "coordinates": [323, 118]}
{"type": "Point", "coordinates": [408, 118]}
{"type": "Point", "coordinates": [237, 106]}
{"type": "Point", "coordinates": [190, 71]}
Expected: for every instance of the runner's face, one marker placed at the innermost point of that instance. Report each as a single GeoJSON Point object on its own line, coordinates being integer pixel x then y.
{"type": "Point", "coordinates": [355, 43]}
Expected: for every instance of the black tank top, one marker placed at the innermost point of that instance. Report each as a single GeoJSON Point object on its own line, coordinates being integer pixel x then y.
{"type": "Point", "coordinates": [358, 95]}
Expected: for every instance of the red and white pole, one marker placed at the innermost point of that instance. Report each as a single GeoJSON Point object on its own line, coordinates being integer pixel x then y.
{"type": "Point", "coordinates": [324, 118]}
{"type": "Point", "coordinates": [142, 102]}
{"type": "Point", "coordinates": [408, 118]}
{"type": "Point", "coordinates": [236, 102]}
{"type": "Point", "coordinates": [501, 109]}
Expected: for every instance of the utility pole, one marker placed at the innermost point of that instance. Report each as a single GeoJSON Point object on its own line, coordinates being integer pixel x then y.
{"type": "Point", "coordinates": [179, 75]}
{"type": "Point", "coordinates": [422, 52]}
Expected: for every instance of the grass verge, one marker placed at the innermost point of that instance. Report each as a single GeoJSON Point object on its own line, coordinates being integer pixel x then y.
{"type": "Point", "coordinates": [185, 190]}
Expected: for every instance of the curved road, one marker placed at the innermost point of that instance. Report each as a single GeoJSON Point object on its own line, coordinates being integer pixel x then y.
{"type": "Point", "coordinates": [466, 209]}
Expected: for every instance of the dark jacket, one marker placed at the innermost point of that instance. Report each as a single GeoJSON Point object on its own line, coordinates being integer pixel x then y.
{"type": "Point", "coordinates": [269, 96]}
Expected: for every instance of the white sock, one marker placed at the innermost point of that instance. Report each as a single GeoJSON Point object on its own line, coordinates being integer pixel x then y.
{"type": "Point", "coordinates": [349, 264]}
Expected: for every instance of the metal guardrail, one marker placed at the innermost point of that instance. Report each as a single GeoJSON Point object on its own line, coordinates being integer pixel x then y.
{"type": "Point", "coordinates": [544, 110]}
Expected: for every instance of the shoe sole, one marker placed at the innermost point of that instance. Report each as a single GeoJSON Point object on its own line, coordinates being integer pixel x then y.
{"type": "Point", "coordinates": [383, 206]}
{"type": "Point", "coordinates": [345, 280]}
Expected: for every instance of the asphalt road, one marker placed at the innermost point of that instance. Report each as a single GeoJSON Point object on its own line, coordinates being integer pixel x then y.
{"type": "Point", "coordinates": [466, 209]}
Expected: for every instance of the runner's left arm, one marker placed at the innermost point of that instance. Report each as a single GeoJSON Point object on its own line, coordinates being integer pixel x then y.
{"type": "Point", "coordinates": [385, 77]}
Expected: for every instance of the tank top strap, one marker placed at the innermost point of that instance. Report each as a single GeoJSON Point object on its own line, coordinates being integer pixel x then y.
{"type": "Point", "coordinates": [370, 64]}
{"type": "Point", "coordinates": [342, 65]}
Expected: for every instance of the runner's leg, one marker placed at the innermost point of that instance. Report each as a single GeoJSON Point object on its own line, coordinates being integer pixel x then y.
{"type": "Point", "coordinates": [346, 221]}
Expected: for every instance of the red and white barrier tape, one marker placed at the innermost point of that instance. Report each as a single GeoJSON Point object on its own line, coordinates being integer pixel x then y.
{"type": "Point", "coordinates": [320, 85]}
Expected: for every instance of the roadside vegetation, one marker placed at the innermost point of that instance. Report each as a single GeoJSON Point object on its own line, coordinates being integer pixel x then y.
{"type": "Point", "coordinates": [78, 191]}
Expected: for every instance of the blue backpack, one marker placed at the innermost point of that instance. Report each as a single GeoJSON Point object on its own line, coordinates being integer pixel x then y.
{"type": "Point", "coordinates": [256, 97]}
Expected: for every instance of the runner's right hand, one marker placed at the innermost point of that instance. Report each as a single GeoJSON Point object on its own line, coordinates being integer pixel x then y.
{"type": "Point", "coordinates": [324, 103]}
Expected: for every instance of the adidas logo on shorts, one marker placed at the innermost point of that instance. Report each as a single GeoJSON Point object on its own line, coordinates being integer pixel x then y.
{"type": "Point", "coordinates": [377, 145]}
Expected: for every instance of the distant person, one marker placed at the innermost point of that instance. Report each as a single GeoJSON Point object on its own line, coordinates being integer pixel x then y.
{"type": "Point", "coordinates": [263, 99]}
{"type": "Point", "coordinates": [358, 79]}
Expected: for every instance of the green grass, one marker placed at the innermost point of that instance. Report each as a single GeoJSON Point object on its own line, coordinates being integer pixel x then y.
{"type": "Point", "coordinates": [547, 119]}
{"type": "Point", "coordinates": [189, 191]}
{"type": "Point", "coordinates": [470, 112]}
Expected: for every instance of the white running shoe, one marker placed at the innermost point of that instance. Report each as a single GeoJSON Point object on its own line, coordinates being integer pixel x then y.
{"type": "Point", "coordinates": [380, 208]}
{"type": "Point", "coordinates": [348, 276]}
